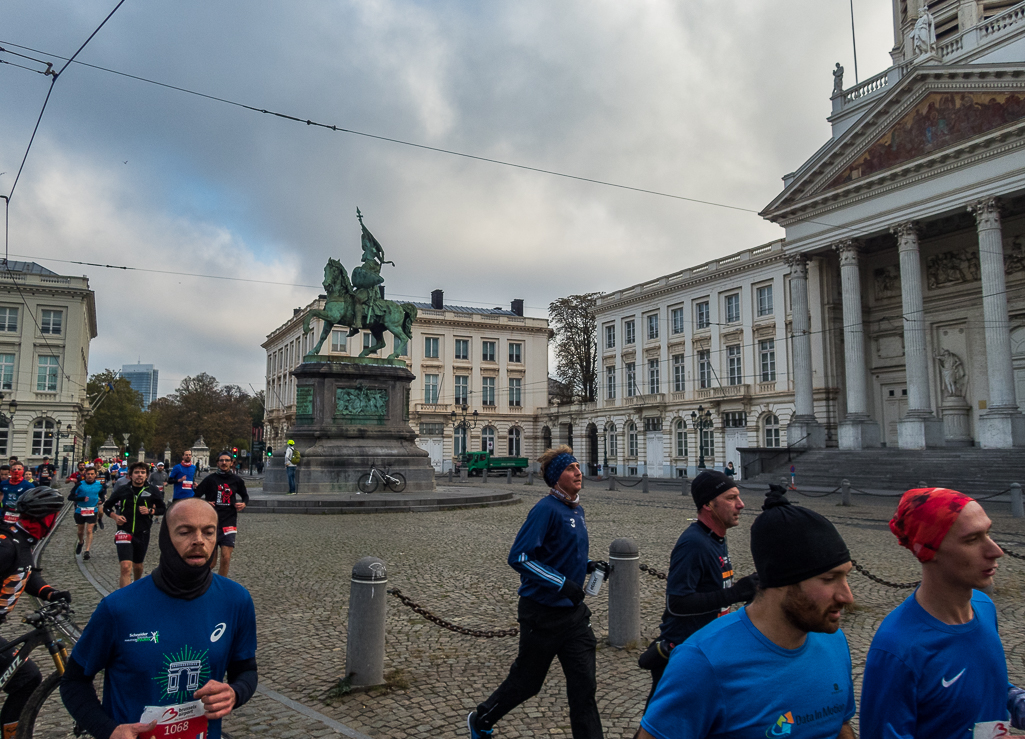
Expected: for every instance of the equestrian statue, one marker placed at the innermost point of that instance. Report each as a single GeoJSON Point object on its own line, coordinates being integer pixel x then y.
{"type": "Point", "coordinates": [357, 302]}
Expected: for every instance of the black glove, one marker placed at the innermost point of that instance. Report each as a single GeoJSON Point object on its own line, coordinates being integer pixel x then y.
{"type": "Point", "coordinates": [746, 587]}
{"type": "Point", "coordinates": [51, 595]}
{"type": "Point", "coordinates": [592, 565]}
{"type": "Point", "coordinates": [574, 592]}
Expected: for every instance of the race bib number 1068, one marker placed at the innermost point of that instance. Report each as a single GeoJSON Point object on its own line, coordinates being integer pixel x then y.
{"type": "Point", "coordinates": [184, 721]}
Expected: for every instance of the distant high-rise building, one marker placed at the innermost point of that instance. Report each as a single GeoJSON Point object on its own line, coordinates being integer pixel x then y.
{"type": "Point", "coordinates": [143, 379]}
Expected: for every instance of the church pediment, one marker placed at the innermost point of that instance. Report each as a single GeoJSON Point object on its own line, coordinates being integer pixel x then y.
{"type": "Point", "coordinates": [930, 116]}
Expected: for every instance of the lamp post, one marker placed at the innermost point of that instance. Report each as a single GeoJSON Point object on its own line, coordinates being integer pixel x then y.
{"type": "Point", "coordinates": [6, 418]}
{"type": "Point", "coordinates": [702, 420]}
{"type": "Point", "coordinates": [605, 452]}
{"type": "Point", "coordinates": [464, 424]}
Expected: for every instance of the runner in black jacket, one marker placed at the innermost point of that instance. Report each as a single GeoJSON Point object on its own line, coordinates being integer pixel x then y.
{"type": "Point", "coordinates": [136, 503]}
{"type": "Point", "coordinates": [226, 491]}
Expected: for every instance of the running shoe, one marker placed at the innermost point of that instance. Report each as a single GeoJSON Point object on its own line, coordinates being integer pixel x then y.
{"type": "Point", "coordinates": [475, 733]}
{"type": "Point", "coordinates": [85, 556]}
{"type": "Point", "coordinates": [78, 549]}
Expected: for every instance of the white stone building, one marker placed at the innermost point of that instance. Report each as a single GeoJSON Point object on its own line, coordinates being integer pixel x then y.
{"type": "Point", "coordinates": [712, 340]}
{"type": "Point", "coordinates": [914, 211]}
{"type": "Point", "coordinates": [488, 362]}
{"type": "Point", "coordinates": [46, 324]}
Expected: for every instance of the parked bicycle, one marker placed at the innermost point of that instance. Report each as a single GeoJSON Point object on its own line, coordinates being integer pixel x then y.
{"type": "Point", "coordinates": [394, 481]}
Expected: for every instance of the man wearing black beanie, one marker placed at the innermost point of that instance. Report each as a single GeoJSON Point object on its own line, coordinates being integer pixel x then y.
{"type": "Point", "coordinates": [779, 662]}
{"type": "Point", "coordinates": [700, 586]}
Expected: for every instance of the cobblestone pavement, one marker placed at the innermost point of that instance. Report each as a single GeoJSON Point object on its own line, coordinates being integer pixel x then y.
{"type": "Point", "coordinates": [454, 563]}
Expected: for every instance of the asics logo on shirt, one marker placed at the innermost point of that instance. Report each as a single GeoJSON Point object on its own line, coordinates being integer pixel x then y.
{"type": "Point", "coordinates": [947, 683]}
{"type": "Point", "coordinates": [218, 632]}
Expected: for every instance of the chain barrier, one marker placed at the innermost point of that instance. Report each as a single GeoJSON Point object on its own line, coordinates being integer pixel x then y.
{"type": "Point", "coordinates": [626, 485]}
{"type": "Point", "coordinates": [482, 633]}
{"type": "Point", "coordinates": [881, 581]}
{"type": "Point", "coordinates": [818, 495]}
{"type": "Point", "coordinates": [993, 495]}
{"type": "Point", "coordinates": [653, 572]}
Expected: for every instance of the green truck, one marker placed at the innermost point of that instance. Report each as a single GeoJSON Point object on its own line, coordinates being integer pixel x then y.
{"type": "Point", "coordinates": [477, 462]}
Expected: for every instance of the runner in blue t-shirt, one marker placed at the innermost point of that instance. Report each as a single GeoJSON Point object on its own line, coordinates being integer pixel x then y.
{"type": "Point", "coordinates": [183, 476]}
{"type": "Point", "coordinates": [166, 642]}
{"type": "Point", "coordinates": [12, 489]}
{"type": "Point", "coordinates": [88, 495]}
{"type": "Point", "coordinates": [779, 666]}
{"type": "Point", "coordinates": [936, 667]}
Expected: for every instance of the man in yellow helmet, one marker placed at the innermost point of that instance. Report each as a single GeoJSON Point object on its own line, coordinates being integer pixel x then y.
{"type": "Point", "coordinates": [291, 465]}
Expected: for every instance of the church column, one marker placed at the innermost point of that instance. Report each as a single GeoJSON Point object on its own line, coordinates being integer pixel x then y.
{"type": "Point", "coordinates": [1002, 425]}
{"type": "Point", "coordinates": [919, 428]}
{"type": "Point", "coordinates": [857, 430]}
{"type": "Point", "coordinates": [803, 430]}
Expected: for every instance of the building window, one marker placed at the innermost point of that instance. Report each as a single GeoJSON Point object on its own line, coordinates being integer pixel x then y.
{"type": "Point", "coordinates": [432, 429]}
{"type": "Point", "coordinates": [487, 390]}
{"type": "Point", "coordinates": [654, 381]}
{"type": "Point", "coordinates": [610, 383]}
{"type": "Point", "coordinates": [677, 320]}
{"type": "Point", "coordinates": [368, 341]}
{"type": "Point", "coordinates": [462, 348]}
{"type": "Point", "coordinates": [546, 438]}
{"type": "Point", "coordinates": [631, 440]}
{"type": "Point", "coordinates": [701, 314]}
{"type": "Point", "coordinates": [46, 380]}
{"type": "Point", "coordinates": [764, 300]}
{"type": "Point", "coordinates": [767, 357]}
{"type": "Point", "coordinates": [515, 392]}
{"type": "Point", "coordinates": [430, 388]}
{"type": "Point", "coordinates": [338, 342]}
{"type": "Point", "coordinates": [462, 390]}
{"type": "Point", "coordinates": [679, 373]}
{"type": "Point", "coordinates": [629, 332]}
{"type": "Point", "coordinates": [681, 438]}
{"type": "Point", "coordinates": [459, 442]}
{"type": "Point", "coordinates": [3, 442]}
{"type": "Point", "coordinates": [487, 439]}
{"type": "Point", "coordinates": [51, 323]}
{"type": "Point", "coordinates": [516, 353]}
{"type": "Point", "coordinates": [631, 379]}
{"type": "Point", "coordinates": [515, 439]}
{"type": "Point", "coordinates": [732, 308]}
{"type": "Point", "coordinates": [734, 370]}
{"type": "Point", "coordinates": [611, 440]}
{"type": "Point", "coordinates": [653, 326]}
{"type": "Point", "coordinates": [771, 431]}
{"type": "Point", "coordinates": [401, 347]}
{"type": "Point", "coordinates": [8, 319]}
{"type": "Point", "coordinates": [610, 337]}
{"type": "Point", "coordinates": [707, 443]}
{"type": "Point", "coordinates": [734, 419]}
{"type": "Point", "coordinates": [487, 351]}
{"type": "Point", "coordinates": [431, 347]}
{"type": "Point", "coordinates": [6, 371]}
{"type": "Point", "coordinates": [653, 423]}
{"type": "Point", "coordinates": [42, 438]}
{"type": "Point", "coordinates": [704, 369]}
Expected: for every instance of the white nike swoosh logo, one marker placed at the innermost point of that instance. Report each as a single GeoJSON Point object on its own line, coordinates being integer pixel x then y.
{"type": "Point", "coordinates": [948, 683]}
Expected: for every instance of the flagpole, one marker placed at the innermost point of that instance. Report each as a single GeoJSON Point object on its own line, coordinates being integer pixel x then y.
{"type": "Point", "coordinates": [854, 43]}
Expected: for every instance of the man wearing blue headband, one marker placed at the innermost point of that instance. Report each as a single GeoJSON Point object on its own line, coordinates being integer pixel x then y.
{"type": "Point", "coordinates": [550, 553]}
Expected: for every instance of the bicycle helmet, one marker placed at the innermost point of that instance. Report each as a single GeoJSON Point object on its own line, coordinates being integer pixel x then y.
{"type": "Point", "coordinates": [40, 502]}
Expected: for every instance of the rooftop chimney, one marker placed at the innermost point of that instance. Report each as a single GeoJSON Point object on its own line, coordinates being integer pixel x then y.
{"type": "Point", "coordinates": [438, 299]}
{"type": "Point", "coordinates": [517, 306]}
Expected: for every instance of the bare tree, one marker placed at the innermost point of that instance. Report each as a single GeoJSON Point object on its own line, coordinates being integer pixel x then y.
{"type": "Point", "coordinates": [575, 332]}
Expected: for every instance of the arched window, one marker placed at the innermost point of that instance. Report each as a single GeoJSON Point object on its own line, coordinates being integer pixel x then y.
{"type": "Point", "coordinates": [515, 439]}
{"type": "Point", "coordinates": [42, 438]}
{"type": "Point", "coordinates": [487, 439]}
{"type": "Point", "coordinates": [771, 430]}
{"type": "Point", "coordinates": [546, 438]}
{"type": "Point", "coordinates": [680, 432]}
{"type": "Point", "coordinates": [459, 442]}
{"type": "Point", "coordinates": [631, 440]}
{"type": "Point", "coordinates": [613, 444]}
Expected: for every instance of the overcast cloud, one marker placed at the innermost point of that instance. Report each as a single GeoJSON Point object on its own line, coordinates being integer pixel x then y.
{"type": "Point", "coordinates": [700, 98]}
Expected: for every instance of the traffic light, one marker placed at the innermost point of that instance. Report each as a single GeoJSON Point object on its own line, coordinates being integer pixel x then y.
{"type": "Point", "coordinates": [234, 452]}
{"type": "Point", "coordinates": [270, 452]}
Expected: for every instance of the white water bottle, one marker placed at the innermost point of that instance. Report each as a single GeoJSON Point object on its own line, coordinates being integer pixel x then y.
{"type": "Point", "coordinates": [596, 579]}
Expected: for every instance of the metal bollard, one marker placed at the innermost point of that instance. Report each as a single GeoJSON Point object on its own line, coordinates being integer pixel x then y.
{"type": "Point", "coordinates": [464, 473]}
{"type": "Point", "coordinates": [624, 594]}
{"type": "Point", "coordinates": [644, 482]}
{"type": "Point", "coordinates": [508, 477]}
{"type": "Point", "coordinates": [530, 477]}
{"type": "Point", "coordinates": [686, 486]}
{"type": "Point", "coordinates": [449, 475]}
{"type": "Point", "coordinates": [484, 476]}
{"type": "Point", "coordinates": [364, 651]}
{"type": "Point", "coordinates": [612, 482]}
{"type": "Point", "coordinates": [1017, 509]}
{"type": "Point", "coordinates": [845, 492]}
{"type": "Point", "coordinates": [785, 482]}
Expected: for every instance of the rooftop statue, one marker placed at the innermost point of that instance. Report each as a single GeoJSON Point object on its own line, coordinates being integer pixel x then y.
{"type": "Point", "coordinates": [357, 302]}
{"type": "Point", "coordinates": [923, 36]}
{"type": "Point", "coordinates": [838, 79]}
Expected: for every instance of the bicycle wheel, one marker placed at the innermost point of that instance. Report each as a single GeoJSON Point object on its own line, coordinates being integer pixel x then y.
{"type": "Point", "coordinates": [367, 483]}
{"type": "Point", "coordinates": [44, 716]}
{"type": "Point", "coordinates": [396, 482]}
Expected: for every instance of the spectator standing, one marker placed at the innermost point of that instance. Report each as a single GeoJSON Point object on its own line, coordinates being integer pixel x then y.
{"type": "Point", "coordinates": [292, 458]}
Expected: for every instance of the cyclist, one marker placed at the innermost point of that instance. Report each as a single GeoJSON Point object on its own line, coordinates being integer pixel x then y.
{"type": "Point", "coordinates": [14, 488]}
{"type": "Point", "coordinates": [137, 503]}
{"type": "Point", "coordinates": [37, 509]}
{"type": "Point", "coordinates": [166, 641]}
{"type": "Point", "coordinates": [88, 495]}
{"type": "Point", "coordinates": [183, 476]}
{"type": "Point", "coordinates": [226, 492]}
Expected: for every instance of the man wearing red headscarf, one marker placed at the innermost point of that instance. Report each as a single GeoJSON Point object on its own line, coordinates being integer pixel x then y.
{"type": "Point", "coordinates": [936, 667]}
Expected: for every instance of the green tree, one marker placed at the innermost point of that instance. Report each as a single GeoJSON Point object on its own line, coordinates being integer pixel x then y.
{"type": "Point", "coordinates": [202, 407]}
{"type": "Point", "coordinates": [574, 333]}
{"type": "Point", "coordinates": [116, 410]}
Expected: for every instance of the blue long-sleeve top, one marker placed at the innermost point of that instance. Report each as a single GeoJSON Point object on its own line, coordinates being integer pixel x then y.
{"type": "Point", "coordinates": [551, 546]}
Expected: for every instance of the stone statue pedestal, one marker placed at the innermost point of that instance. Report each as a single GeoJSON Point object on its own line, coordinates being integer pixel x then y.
{"type": "Point", "coordinates": [350, 415]}
{"type": "Point", "coordinates": [956, 413]}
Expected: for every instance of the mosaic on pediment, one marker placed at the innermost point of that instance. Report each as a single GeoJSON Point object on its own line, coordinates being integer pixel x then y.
{"type": "Point", "coordinates": [962, 266]}
{"type": "Point", "coordinates": [940, 120]}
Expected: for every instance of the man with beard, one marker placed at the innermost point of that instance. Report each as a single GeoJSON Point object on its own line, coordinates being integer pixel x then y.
{"type": "Point", "coordinates": [226, 492]}
{"type": "Point", "coordinates": [165, 643]}
{"type": "Point", "coordinates": [137, 503]}
{"type": "Point", "coordinates": [778, 662]}
{"type": "Point", "coordinates": [45, 473]}
{"type": "Point", "coordinates": [936, 666]}
{"type": "Point", "coordinates": [700, 586]}
{"type": "Point", "coordinates": [183, 477]}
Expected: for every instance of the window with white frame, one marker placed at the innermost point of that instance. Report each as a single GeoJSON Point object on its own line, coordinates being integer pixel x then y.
{"type": "Point", "coordinates": [654, 381]}
{"type": "Point", "coordinates": [702, 316]}
{"type": "Point", "coordinates": [515, 441]}
{"type": "Point", "coordinates": [337, 342]}
{"type": "Point", "coordinates": [732, 306]}
{"type": "Point", "coordinates": [764, 296]}
{"type": "Point", "coordinates": [46, 378]}
{"type": "Point", "coordinates": [610, 435]}
{"type": "Point", "coordinates": [704, 369]}
{"type": "Point", "coordinates": [487, 390]}
{"type": "Point", "coordinates": [610, 337]}
{"type": "Point", "coordinates": [462, 348]}
{"type": "Point", "coordinates": [368, 340]}
{"type": "Point", "coordinates": [679, 373]}
{"type": "Point", "coordinates": [631, 440]}
{"type": "Point", "coordinates": [734, 370]}
{"type": "Point", "coordinates": [459, 442]}
{"type": "Point", "coordinates": [772, 430]}
{"type": "Point", "coordinates": [401, 347]}
{"type": "Point", "coordinates": [629, 332]}
{"type": "Point", "coordinates": [680, 432]}
{"type": "Point", "coordinates": [708, 442]}
{"type": "Point", "coordinates": [42, 438]}
{"type": "Point", "coordinates": [677, 320]}
{"type": "Point", "coordinates": [487, 439]}
{"type": "Point", "coordinates": [462, 390]}
{"type": "Point", "coordinates": [52, 322]}
{"type": "Point", "coordinates": [431, 347]}
{"type": "Point", "coordinates": [631, 379]}
{"type": "Point", "coordinates": [610, 383]}
{"type": "Point", "coordinates": [653, 326]}
{"type": "Point", "coordinates": [4, 442]}
{"type": "Point", "coordinates": [6, 371]}
{"type": "Point", "coordinates": [487, 351]}
{"type": "Point", "coordinates": [515, 392]}
{"type": "Point", "coordinates": [515, 352]}
{"type": "Point", "coordinates": [8, 319]}
{"type": "Point", "coordinates": [767, 359]}
{"type": "Point", "coordinates": [431, 388]}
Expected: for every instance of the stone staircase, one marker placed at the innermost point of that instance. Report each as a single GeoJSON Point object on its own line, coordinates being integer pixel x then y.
{"type": "Point", "coordinates": [970, 470]}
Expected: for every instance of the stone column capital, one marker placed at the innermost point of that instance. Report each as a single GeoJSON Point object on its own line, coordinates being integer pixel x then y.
{"type": "Point", "coordinates": [798, 264]}
{"type": "Point", "coordinates": [986, 212]}
{"type": "Point", "coordinates": [907, 234]}
{"type": "Point", "coordinates": [848, 249]}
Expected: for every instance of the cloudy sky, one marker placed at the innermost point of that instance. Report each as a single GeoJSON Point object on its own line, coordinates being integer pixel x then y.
{"type": "Point", "coordinates": [699, 98]}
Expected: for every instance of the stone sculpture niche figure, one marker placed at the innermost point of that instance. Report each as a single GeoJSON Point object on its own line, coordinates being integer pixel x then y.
{"type": "Point", "coordinates": [838, 79]}
{"type": "Point", "coordinates": [923, 37]}
{"type": "Point", "coordinates": [951, 373]}
{"type": "Point", "coordinates": [357, 303]}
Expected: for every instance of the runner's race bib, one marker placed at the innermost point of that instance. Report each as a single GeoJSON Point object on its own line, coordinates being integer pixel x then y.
{"type": "Point", "coordinates": [123, 537]}
{"type": "Point", "coordinates": [229, 530]}
{"type": "Point", "coordinates": [991, 730]}
{"type": "Point", "coordinates": [183, 721]}
{"type": "Point", "coordinates": [186, 484]}
{"type": "Point", "coordinates": [86, 511]}
{"type": "Point", "coordinates": [11, 517]}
